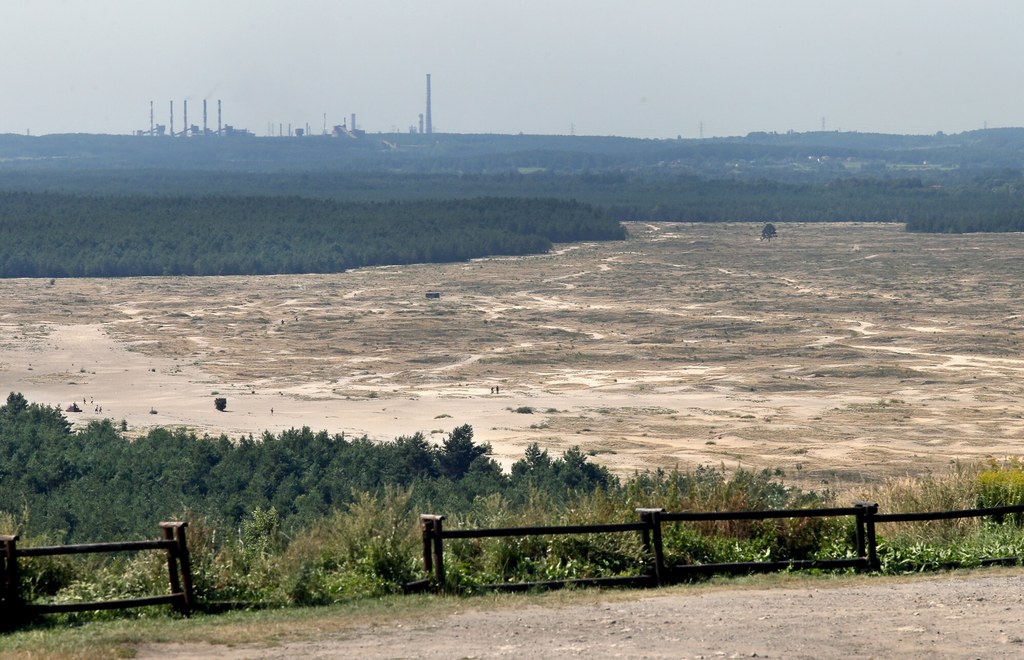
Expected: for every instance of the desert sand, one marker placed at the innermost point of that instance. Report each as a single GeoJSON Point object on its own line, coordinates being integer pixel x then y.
{"type": "Point", "coordinates": [838, 353]}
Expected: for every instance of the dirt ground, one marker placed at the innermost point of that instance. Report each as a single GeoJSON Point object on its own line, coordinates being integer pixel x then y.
{"type": "Point", "coordinates": [838, 353]}
{"type": "Point", "coordinates": [954, 616]}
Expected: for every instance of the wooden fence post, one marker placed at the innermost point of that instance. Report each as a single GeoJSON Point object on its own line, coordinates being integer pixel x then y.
{"type": "Point", "coordinates": [862, 552]}
{"type": "Point", "coordinates": [427, 527]}
{"type": "Point", "coordinates": [652, 518]}
{"type": "Point", "coordinates": [10, 592]}
{"type": "Point", "coordinates": [178, 555]}
{"type": "Point", "coordinates": [872, 541]}
{"type": "Point", "coordinates": [433, 546]}
{"type": "Point", "coordinates": [867, 543]}
{"type": "Point", "coordinates": [172, 560]}
{"type": "Point", "coordinates": [439, 552]}
{"type": "Point", "coordinates": [185, 560]}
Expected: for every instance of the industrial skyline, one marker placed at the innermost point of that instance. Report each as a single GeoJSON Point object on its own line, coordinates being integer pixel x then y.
{"type": "Point", "coordinates": [193, 130]}
{"type": "Point", "coordinates": [649, 69]}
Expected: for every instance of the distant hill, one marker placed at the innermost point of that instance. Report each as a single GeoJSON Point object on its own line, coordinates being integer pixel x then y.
{"type": "Point", "coordinates": [789, 156]}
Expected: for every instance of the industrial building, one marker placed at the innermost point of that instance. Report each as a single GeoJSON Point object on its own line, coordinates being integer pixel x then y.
{"type": "Point", "coordinates": [191, 130]}
{"type": "Point", "coordinates": [349, 130]}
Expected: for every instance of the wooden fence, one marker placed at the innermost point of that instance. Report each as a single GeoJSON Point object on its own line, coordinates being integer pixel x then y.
{"type": "Point", "coordinates": [179, 570]}
{"type": "Point", "coordinates": [657, 573]}
{"type": "Point", "coordinates": [997, 513]}
{"type": "Point", "coordinates": [653, 572]}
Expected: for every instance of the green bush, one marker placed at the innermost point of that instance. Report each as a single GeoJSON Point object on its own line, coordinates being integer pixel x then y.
{"type": "Point", "coordinates": [989, 541]}
{"type": "Point", "coordinates": [1002, 485]}
{"type": "Point", "coordinates": [100, 578]}
{"type": "Point", "coordinates": [41, 578]}
{"type": "Point", "coordinates": [368, 549]}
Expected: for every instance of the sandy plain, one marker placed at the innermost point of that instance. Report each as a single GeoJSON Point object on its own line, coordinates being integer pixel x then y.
{"type": "Point", "coordinates": [838, 353]}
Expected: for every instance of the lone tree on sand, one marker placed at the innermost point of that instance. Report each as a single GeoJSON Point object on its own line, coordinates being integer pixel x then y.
{"type": "Point", "coordinates": [220, 403]}
{"type": "Point", "coordinates": [768, 232]}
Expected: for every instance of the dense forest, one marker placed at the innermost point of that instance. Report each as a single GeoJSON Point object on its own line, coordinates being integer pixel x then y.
{"type": "Point", "coordinates": [55, 235]}
{"type": "Point", "coordinates": [329, 222]}
{"type": "Point", "coordinates": [96, 484]}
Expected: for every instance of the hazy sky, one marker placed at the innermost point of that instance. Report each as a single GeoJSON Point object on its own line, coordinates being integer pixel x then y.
{"type": "Point", "coordinates": [641, 68]}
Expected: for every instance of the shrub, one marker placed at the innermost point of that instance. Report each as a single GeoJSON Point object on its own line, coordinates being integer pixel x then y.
{"type": "Point", "coordinates": [41, 578]}
{"type": "Point", "coordinates": [369, 549]}
{"type": "Point", "coordinates": [1002, 485]}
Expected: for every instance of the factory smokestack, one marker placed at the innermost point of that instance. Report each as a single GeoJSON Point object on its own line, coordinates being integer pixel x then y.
{"type": "Point", "coordinates": [218, 117]}
{"type": "Point", "coordinates": [430, 125]}
{"type": "Point", "coordinates": [172, 118]}
{"type": "Point", "coordinates": [204, 117]}
{"type": "Point", "coordinates": [184, 131]}
{"type": "Point", "coordinates": [151, 118]}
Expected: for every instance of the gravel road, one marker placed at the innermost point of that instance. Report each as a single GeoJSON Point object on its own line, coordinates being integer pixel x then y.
{"type": "Point", "coordinates": [948, 616]}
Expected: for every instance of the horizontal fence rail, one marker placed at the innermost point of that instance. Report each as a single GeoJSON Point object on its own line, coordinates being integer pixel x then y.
{"type": "Point", "coordinates": [761, 515]}
{"type": "Point", "coordinates": [539, 531]}
{"type": "Point", "coordinates": [865, 517]}
{"type": "Point", "coordinates": [995, 512]}
{"type": "Point", "coordinates": [91, 548]}
{"type": "Point", "coordinates": [179, 574]}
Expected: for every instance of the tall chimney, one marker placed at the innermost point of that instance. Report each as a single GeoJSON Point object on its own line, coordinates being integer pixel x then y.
{"type": "Point", "coordinates": [218, 117]}
{"type": "Point", "coordinates": [185, 130]}
{"type": "Point", "coordinates": [353, 126]}
{"type": "Point", "coordinates": [204, 117]}
{"type": "Point", "coordinates": [172, 118]}
{"type": "Point", "coordinates": [151, 118]}
{"type": "Point", "coordinates": [430, 126]}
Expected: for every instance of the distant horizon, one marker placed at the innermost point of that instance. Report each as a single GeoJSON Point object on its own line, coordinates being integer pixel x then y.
{"type": "Point", "coordinates": [547, 135]}
{"type": "Point", "coordinates": [652, 69]}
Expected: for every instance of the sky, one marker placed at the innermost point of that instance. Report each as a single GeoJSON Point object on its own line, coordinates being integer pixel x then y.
{"type": "Point", "coordinates": [636, 68]}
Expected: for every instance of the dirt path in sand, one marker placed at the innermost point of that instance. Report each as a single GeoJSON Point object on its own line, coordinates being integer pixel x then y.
{"type": "Point", "coordinates": [837, 353]}
{"type": "Point", "coordinates": [958, 616]}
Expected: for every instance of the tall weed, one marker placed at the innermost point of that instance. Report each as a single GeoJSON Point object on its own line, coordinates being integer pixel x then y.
{"type": "Point", "coordinates": [953, 490]}
{"type": "Point", "coordinates": [1002, 484]}
{"type": "Point", "coordinates": [368, 549]}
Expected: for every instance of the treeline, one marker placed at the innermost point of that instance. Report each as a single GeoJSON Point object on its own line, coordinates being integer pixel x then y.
{"type": "Point", "coordinates": [97, 484]}
{"type": "Point", "coordinates": [58, 235]}
{"type": "Point", "coordinates": [944, 201]}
